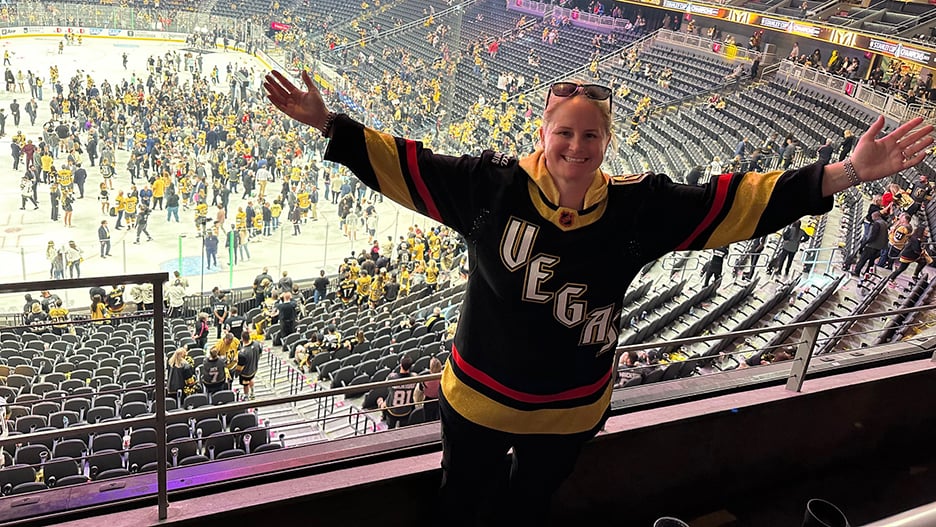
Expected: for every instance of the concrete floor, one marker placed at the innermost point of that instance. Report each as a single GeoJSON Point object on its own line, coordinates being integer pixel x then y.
{"type": "Point", "coordinates": [24, 234]}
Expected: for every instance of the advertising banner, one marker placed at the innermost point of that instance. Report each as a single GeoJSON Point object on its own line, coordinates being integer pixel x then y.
{"type": "Point", "coordinates": [833, 35]}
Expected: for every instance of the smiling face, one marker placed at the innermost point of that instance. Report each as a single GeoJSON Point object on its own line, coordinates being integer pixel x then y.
{"type": "Point", "coordinates": [575, 135]}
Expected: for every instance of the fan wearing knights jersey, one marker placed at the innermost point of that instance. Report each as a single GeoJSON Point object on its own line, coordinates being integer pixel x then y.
{"type": "Point", "coordinates": [531, 367]}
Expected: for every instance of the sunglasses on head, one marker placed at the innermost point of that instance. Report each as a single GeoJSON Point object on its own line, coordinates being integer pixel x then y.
{"type": "Point", "coordinates": [568, 89]}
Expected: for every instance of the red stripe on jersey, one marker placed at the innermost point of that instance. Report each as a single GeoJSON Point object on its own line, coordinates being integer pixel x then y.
{"type": "Point", "coordinates": [413, 166]}
{"type": "Point", "coordinates": [721, 193]}
{"type": "Point", "coordinates": [489, 382]}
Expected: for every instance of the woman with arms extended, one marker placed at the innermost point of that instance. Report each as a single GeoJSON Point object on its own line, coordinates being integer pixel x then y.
{"type": "Point", "coordinates": [531, 367]}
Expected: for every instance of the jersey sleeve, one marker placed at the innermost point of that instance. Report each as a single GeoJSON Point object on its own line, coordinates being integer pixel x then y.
{"type": "Point", "coordinates": [450, 190]}
{"type": "Point", "coordinates": [733, 207]}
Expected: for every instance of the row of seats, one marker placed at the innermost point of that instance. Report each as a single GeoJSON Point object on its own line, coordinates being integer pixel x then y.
{"type": "Point", "coordinates": [105, 456]}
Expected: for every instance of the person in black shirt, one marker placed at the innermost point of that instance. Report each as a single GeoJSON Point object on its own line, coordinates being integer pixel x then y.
{"type": "Point", "coordinates": [214, 373]}
{"type": "Point", "coordinates": [921, 192]}
{"type": "Point", "coordinates": [219, 308]}
{"type": "Point", "coordinates": [847, 144]}
{"type": "Point", "coordinates": [235, 322]}
{"type": "Point", "coordinates": [30, 301]}
{"type": "Point", "coordinates": [714, 266]}
{"type": "Point", "coordinates": [39, 318]}
{"type": "Point", "coordinates": [321, 287]}
{"type": "Point", "coordinates": [201, 330]}
{"type": "Point", "coordinates": [399, 402]}
{"type": "Point", "coordinates": [824, 152]}
{"type": "Point", "coordinates": [287, 315]}
{"type": "Point", "coordinates": [248, 360]}
{"type": "Point", "coordinates": [392, 289]}
{"type": "Point", "coordinates": [755, 248]}
{"type": "Point", "coordinates": [261, 284]}
{"type": "Point", "coordinates": [694, 175]}
{"type": "Point", "coordinates": [182, 380]}
{"type": "Point", "coordinates": [912, 251]}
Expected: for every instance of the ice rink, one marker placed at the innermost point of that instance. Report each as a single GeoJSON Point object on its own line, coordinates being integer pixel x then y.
{"type": "Point", "coordinates": [24, 234]}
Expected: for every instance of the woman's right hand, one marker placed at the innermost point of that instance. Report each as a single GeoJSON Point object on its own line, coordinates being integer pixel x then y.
{"type": "Point", "coordinates": [305, 106]}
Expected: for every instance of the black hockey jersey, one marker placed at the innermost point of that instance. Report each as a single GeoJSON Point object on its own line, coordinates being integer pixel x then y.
{"type": "Point", "coordinates": [534, 349]}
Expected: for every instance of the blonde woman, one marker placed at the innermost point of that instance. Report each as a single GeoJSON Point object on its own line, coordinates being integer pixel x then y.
{"type": "Point", "coordinates": [534, 221]}
{"type": "Point", "coordinates": [428, 392]}
{"type": "Point", "coordinates": [181, 374]}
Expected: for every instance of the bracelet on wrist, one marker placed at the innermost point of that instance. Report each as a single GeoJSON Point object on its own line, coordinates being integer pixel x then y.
{"type": "Point", "coordinates": [851, 173]}
{"type": "Point", "coordinates": [329, 121]}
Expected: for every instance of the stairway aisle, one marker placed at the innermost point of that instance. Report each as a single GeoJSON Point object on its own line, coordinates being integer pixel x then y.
{"type": "Point", "coordinates": [293, 422]}
{"type": "Point", "coordinates": [334, 416]}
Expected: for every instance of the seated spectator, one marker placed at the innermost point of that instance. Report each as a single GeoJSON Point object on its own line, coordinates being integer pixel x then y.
{"type": "Point", "coordinates": [428, 392]}
{"type": "Point", "coordinates": [399, 402]}
{"type": "Point", "coordinates": [434, 317]}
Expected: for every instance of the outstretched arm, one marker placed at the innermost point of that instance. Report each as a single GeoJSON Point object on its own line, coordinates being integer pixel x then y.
{"type": "Point", "coordinates": [878, 158]}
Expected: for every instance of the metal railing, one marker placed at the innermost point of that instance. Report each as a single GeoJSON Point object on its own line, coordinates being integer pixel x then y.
{"type": "Point", "coordinates": [716, 47]}
{"type": "Point", "coordinates": [889, 104]}
{"type": "Point", "coordinates": [456, 9]}
{"type": "Point", "coordinates": [577, 18]}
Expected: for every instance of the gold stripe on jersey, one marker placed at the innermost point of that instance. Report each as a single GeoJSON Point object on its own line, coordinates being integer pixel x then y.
{"type": "Point", "coordinates": [385, 158]}
{"type": "Point", "coordinates": [751, 198]}
{"type": "Point", "coordinates": [479, 409]}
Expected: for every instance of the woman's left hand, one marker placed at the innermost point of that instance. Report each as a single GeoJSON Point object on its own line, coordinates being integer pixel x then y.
{"type": "Point", "coordinates": [874, 158]}
{"type": "Point", "coordinates": [899, 150]}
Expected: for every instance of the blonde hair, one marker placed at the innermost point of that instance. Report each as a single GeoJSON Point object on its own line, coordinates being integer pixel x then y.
{"type": "Point", "coordinates": [435, 365]}
{"type": "Point", "coordinates": [178, 357]}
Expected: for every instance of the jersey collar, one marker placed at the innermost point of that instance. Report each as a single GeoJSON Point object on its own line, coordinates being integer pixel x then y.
{"type": "Point", "coordinates": [545, 196]}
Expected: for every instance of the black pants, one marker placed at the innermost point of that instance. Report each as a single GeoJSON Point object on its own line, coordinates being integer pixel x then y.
{"type": "Point", "coordinates": [484, 487]}
{"type": "Point", "coordinates": [902, 266]}
{"type": "Point", "coordinates": [785, 256]}
{"type": "Point", "coordinates": [866, 259]}
{"type": "Point", "coordinates": [714, 270]}
{"type": "Point", "coordinates": [394, 421]}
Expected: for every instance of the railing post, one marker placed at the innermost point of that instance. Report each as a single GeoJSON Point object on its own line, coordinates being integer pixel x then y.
{"type": "Point", "coordinates": [161, 456]}
{"type": "Point", "coordinates": [801, 361]}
